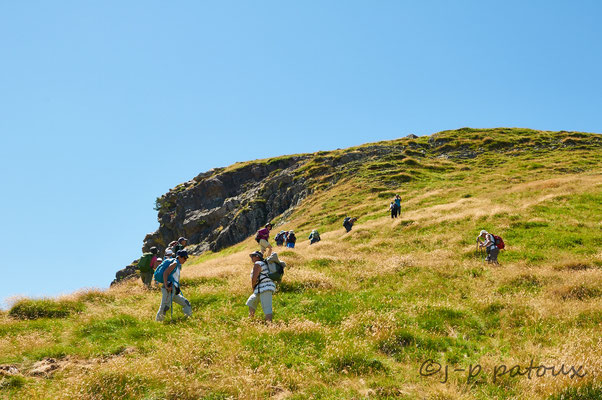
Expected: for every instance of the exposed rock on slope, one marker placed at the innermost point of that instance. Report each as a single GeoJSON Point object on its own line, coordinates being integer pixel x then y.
{"type": "Point", "coordinates": [225, 206]}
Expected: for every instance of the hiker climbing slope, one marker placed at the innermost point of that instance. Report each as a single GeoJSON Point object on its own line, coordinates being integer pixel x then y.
{"type": "Point", "coordinates": [492, 245]}
{"type": "Point", "coordinates": [262, 237]}
{"type": "Point", "coordinates": [147, 265]}
{"type": "Point", "coordinates": [397, 204]}
{"type": "Point", "coordinates": [291, 239]}
{"type": "Point", "coordinates": [168, 273]}
{"type": "Point", "coordinates": [348, 223]}
{"type": "Point", "coordinates": [263, 287]}
{"type": "Point", "coordinates": [314, 237]}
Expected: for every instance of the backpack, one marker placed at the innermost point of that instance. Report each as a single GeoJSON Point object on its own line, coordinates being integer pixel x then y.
{"type": "Point", "coordinates": [291, 238]}
{"type": "Point", "coordinates": [144, 262]}
{"type": "Point", "coordinates": [346, 221]}
{"type": "Point", "coordinates": [279, 237]}
{"type": "Point", "coordinates": [275, 267]}
{"type": "Point", "coordinates": [257, 239]}
{"type": "Point", "coordinates": [161, 268]}
{"type": "Point", "coordinates": [499, 242]}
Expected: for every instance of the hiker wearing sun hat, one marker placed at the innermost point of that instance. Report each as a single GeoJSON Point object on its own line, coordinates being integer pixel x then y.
{"type": "Point", "coordinates": [168, 273]}
{"type": "Point", "coordinates": [263, 287]}
{"type": "Point", "coordinates": [488, 241]}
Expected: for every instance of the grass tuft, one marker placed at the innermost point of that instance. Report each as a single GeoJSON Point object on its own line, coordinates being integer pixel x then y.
{"type": "Point", "coordinates": [44, 308]}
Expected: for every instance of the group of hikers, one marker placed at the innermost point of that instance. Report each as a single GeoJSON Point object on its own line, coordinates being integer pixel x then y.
{"type": "Point", "coordinates": [267, 268]}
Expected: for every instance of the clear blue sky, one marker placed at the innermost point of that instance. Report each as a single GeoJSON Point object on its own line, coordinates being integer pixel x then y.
{"type": "Point", "coordinates": [106, 105]}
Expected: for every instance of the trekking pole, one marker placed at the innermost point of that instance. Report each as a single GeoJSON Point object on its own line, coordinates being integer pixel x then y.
{"type": "Point", "coordinates": [171, 306]}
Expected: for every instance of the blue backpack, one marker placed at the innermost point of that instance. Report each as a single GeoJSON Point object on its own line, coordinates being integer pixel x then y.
{"type": "Point", "coordinates": [162, 267]}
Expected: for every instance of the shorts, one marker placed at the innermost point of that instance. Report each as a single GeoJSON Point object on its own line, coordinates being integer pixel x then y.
{"type": "Point", "coordinates": [291, 245]}
{"type": "Point", "coordinates": [266, 301]}
{"type": "Point", "coordinates": [264, 244]}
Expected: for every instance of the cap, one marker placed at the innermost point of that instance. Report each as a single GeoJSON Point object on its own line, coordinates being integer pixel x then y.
{"type": "Point", "coordinates": [257, 254]}
{"type": "Point", "coordinates": [268, 224]}
{"type": "Point", "coordinates": [154, 250]}
{"type": "Point", "coordinates": [169, 252]}
{"type": "Point", "coordinates": [182, 253]}
{"type": "Point", "coordinates": [291, 231]}
{"type": "Point", "coordinates": [483, 232]}
{"type": "Point", "coordinates": [182, 238]}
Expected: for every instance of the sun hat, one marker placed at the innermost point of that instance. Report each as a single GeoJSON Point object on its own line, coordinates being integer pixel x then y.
{"type": "Point", "coordinates": [256, 254]}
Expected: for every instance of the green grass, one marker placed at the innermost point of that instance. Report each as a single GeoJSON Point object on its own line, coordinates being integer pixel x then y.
{"type": "Point", "coordinates": [44, 308]}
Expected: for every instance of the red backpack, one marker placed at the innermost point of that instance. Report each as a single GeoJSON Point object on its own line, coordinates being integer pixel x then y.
{"type": "Point", "coordinates": [499, 242]}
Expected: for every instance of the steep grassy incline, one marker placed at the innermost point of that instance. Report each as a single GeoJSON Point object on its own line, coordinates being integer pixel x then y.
{"type": "Point", "coordinates": [359, 313]}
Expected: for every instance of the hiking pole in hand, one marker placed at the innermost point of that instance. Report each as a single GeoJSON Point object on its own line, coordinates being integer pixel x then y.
{"type": "Point", "coordinates": [171, 305]}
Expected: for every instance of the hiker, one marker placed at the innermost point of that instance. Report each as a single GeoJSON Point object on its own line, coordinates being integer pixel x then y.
{"type": "Point", "coordinates": [291, 239]}
{"type": "Point", "coordinates": [397, 204]}
{"type": "Point", "coordinates": [348, 223]}
{"type": "Point", "coordinates": [172, 245]}
{"type": "Point", "coordinates": [487, 240]}
{"type": "Point", "coordinates": [314, 237]}
{"type": "Point", "coordinates": [168, 253]}
{"type": "Point", "coordinates": [279, 238]}
{"type": "Point", "coordinates": [169, 275]}
{"type": "Point", "coordinates": [393, 210]}
{"type": "Point", "coordinates": [262, 237]}
{"type": "Point", "coordinates": [263, 287]}
{"type": "Point", "coordinates": [182, 242]}
{"type": "Point", "coordinates": [147, 265]}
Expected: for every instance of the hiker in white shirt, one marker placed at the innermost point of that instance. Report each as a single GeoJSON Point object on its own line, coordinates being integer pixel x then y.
{"type": "Point", "coordinates": [263, 287]}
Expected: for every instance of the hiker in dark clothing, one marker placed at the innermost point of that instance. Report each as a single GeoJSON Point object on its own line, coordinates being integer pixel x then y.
{"type": "Point", "coordinates": [397, 204]}
{"type": "Point", "coordinates": [291, 239]}
{"type": "Point", "coordinates": [314, 237]}
{"type": "Point", "coordinates": [279, 238]}
{"type": "Point", "coordinates": [393, 209]}
{"type": "Point", "coordinates": [348, 223]}
{"type": "Point", "coordinates": [182, 242]}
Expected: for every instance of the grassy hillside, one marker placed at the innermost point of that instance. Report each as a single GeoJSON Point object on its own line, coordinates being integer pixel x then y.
{"type": "Point", "coordinates": [359, 313]}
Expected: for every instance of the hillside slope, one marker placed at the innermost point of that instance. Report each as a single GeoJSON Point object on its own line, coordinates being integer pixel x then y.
{"type": "Point", "coordinates": [359, 313]}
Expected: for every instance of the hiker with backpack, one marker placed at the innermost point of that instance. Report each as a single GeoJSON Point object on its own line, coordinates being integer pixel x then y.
{"type": "Point", "coordinates": [393, 210]}
{"type": "Point", "coordinates": [146, 266]}
{"type": "Point", "coordinates": [492, 245]}
{"type": "Point", "coordinates": [262, 236]}
{"type": "Point", "coordinates": [180, 245]}
{"type": "Point", "coordinates": [279, 238]}
{"type": "Point", "coordinates": [291, 239]}
{"type": "Point", "coordinates": [348, 223]}
{"type": "Point", "coordinates": [263, 287]}
{"type": "Point", "coordinates": [314, 237]}
{"type": "Point", "coordinates": [397, 205]}
{"type": "Point", "coordinates": [168, 274]}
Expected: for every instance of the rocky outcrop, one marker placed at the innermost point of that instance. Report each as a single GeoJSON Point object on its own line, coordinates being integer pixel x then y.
{"type": "Point", "coordinates": [129, 272]}
{"type": "Point", "coordinates": [225, 206]}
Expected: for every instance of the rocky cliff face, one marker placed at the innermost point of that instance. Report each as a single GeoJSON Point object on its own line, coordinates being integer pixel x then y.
{"type": "Point", "coordinates": [225, 206]}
